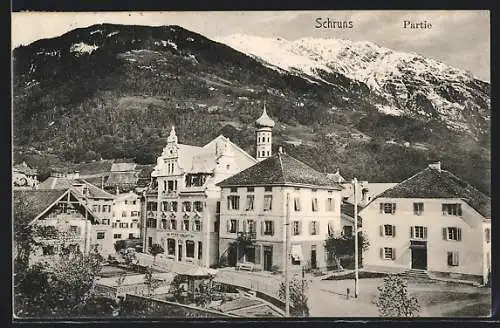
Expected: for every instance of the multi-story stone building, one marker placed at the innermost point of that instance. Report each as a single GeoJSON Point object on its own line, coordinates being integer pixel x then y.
{"type": "Point", "coordinates": [255, 205]}
{"type": "Point", "coordinates": [432, 221]}
{"type": "Point", "coordinates": [97, 200]}
{"type": "Point", "coordinates": [64, 209]}
{"type": "Point", "coordinates": [182, 204]}
{"type": "Point", "coordinates": [126, 221]}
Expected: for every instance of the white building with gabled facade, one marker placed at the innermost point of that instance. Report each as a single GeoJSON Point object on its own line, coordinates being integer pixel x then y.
{"type": "Point", "coordinates": [432, 222]}
{"type": "Point", "coordinates": [181, 207]}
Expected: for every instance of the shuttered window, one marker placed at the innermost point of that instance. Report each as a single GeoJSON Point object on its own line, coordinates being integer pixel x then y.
{"type": "Point", "coordinates": [388, 230]}
{"type": "Point", "coordinates": [418, 232]}
{"type": "Point", "coordinates": [452, 233]}
{"type": "Point", "coordinates": [387, 253]}
{"type": "Point", "coordinates": [452, 258]}
{"type": "Point", "coordinates": [388, 208]}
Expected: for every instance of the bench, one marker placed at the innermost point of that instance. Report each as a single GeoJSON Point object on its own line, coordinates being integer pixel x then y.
{"type": "Point", "coordinates": [245, 266]}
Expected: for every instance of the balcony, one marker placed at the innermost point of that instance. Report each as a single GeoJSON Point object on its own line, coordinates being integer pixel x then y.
{"type": "Point", "coordinates": [247, 235]}
{"type": "Point", "coordinates": [169, 194]}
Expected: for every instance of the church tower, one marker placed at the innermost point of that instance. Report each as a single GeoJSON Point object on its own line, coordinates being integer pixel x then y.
{"type": "Point", "coordinates": [264, 140]}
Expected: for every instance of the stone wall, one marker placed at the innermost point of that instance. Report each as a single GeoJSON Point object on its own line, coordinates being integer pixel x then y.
{"type": "Point", "coordinates": [139, 306]}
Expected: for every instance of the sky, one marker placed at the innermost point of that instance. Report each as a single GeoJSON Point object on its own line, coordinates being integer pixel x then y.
{"type": "Point", "coordinates": [457, 38]}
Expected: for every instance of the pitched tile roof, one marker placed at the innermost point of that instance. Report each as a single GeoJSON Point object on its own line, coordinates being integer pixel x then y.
{"type": "Point", "coordinates": [38, 201]}
{"type": "Point", "coordinates": [435, 183]}
{"type": "Point", "coordinates": [280, 169]}
{"type": "Point", "coordinates": [53, 183]}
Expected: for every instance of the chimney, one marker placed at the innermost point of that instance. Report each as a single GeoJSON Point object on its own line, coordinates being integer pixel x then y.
{"type": "Point", "coordinates": [435, 165]}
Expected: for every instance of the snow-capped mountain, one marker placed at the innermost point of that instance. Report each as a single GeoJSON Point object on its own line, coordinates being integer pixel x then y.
{"type": "Point", "coordinates": [405, 84]}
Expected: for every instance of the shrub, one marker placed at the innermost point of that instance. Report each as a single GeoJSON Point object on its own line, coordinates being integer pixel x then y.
{"type": "Point", "coordinates": [393, 299]}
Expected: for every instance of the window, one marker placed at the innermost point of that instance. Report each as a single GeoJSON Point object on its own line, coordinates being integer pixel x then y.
{"type": "Point", "coordinates": [164, 223]}
{"type": "Point", "coordinates": [165, 206]}
{"type": "Point", "coordinates": [200, 250]}
{"type": "Point", "coordinates": [296, 228]}
{"type": "Point", "coordinates": [452, 258]}
{"type": "Point", "coordinates": [268, 202]}
{"type": "Point", "coordinates": [126, 202]}
{"type": "Point", "coordinates": [198, 206]}
{"type": "Point", "coordinates": [250, 202]}
{"type": "Point", "coordinates": [130, 236]}
{"type": "Point", "coordinates": [388, 208]}
{"type": "Point", "coordinates": [250, 189]}
{"type": "Point", "coordinates": [117, 236]}
{"type": "Point", "coordinates": [418, 232]}
{"type": "Point", "coordinates": [123, 225]}
{"type": "Point", "coordinates": [100, 235]}
{"type": "Point", "coordinates": [173, 224]}
{"type": "Point", "coordinates": [48, 250]}
{"type": "Point", "coordinates": [190, 248]}
{"type": "Point", "coordinates": [452, 209]}
{"type": "Point", "coordinates": [124, 214]}
{"type": "Point", "coordinates": [233, 202]}
{"type": "Point", "coordinates": [314, 204]}
{"type": "Point", "coordinates": [487, 235]}
{"type": "Point", "coordinates": [251, 226]}
{"type": "Point", "coordinates": [266, 189]}
{"type": "Point", "coordinates": [75, 230]}
{"type": "Point", "coordinates": [134, 213]}
{"type": "Point", "coordinates": [151, 206]}
{"type": "Point", "coordinates": [151, 223]}
{"type": "Point", "coordinates": [114, 224]}
{"type": "Point", "coordinates": [232, 226]}
{"type": "Point", "coordinates": [186, 206]}
{"type": "Point", "coordinates": [171, 185]}
{"type": "Point", "coordinates": [170, 246]}
{"type": "Point", "coordinates": [174, 206]}
{"type": "Point", "coordinates": [105, 221]}
{"type": "Point", "coordinates": [387, 230]}
{"type": "Point", "coordinates": [418, 208]}
{"type": "Point", "coordinates": [388, 253]}
{"type": "Point", "coordinates": [268, 228]}
{"type": "Point", "coordinates": [185, 225]}
{"type": "Point", "coordinates": [314, 227]}
{"type": "Point", "coordinates": [134, 202]}
{"type": "Point", "coordinates": [234, 189]}
{"type": "Point", "coordinates": [296, 204]}
{"type": "Point", "coordinates": [197, 225]}
{"type": "Point", "coordinates": [330, 205]}
{"type": "Point", "coordinates": [452, 233]}
{"type": "Point", "coordinates": [347, 231]}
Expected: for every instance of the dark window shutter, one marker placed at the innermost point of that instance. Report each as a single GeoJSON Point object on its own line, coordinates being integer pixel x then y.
{"type": "Point", "coordinates": [272, 228]}
{"type": "Point", "coordinates": [393, 253]}
{"type": "Point", "coordinates": [457, 260]}
{"type": "Point", "coordinates": [300, 227]}
{"type": "Point", "coordinates": [228, 225]}
{"type": "Point", "coordinates": [393, 208]}
{"type": "Point", "coordinates": [445, 234]}
{"type": "Point", "coordinates": [381, 207]}
{"type": "Point", "coordinates": [381, 231]}
{"type": "Point", "coordinates": [450, 258]}
{"type": "Point", "coordinates": [393, 231]}
{"type": "Point", "coordinates": [459, 209]}
{"type": "Point", "coordinates": [244, 225]}
{"type": "Point", "coordinates": [425, 232]}
{"type": "Point", "coordinates": [382, 253]}
{"type": "Point", "coordinates": [459, 231]}
{"type": "Point", "coordinates": [262, 226]}
{"type": "Point", "coordinates": [411, 232]}
{"type": "Point", "coordinates": [237, 225]}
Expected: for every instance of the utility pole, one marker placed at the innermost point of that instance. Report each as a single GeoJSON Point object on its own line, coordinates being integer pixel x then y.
{"type": "Point", "coordinates": [287, 237]}
{"type": "Point", "coordinates": [356, 274]}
